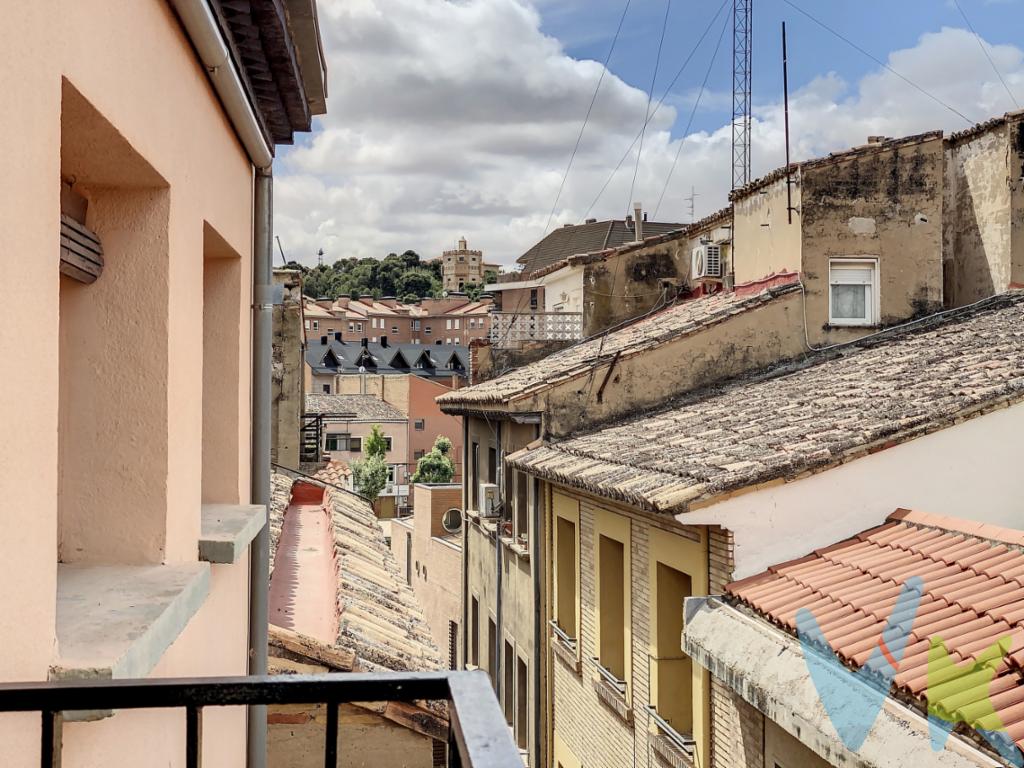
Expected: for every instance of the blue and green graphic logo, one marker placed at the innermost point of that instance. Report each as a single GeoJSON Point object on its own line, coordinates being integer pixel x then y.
{"type": "Point", "coordinates": [853, 698]}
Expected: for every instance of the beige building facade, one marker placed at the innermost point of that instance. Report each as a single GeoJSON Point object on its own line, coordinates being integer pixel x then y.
{"type": "Point", "coordinates": [427, 546]}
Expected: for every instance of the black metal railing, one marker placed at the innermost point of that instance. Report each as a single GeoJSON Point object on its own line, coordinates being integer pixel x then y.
{"type": "Point", "coordinates": [478, 735]}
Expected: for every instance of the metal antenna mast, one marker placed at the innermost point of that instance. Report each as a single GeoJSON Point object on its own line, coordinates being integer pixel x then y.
{"type": "Point", "coordinates": [742, 34]}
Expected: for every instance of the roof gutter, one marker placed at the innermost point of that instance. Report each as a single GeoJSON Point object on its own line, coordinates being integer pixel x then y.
{"type": "Point", "coordinates": [202, 28]}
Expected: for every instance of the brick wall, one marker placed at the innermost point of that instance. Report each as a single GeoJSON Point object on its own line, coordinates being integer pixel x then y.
{"type": "Point", "coordinates": [737, 729]}
{"type": "Point", "coordinates": [597, 736]}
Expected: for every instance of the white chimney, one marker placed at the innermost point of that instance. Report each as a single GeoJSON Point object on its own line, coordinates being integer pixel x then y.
{"type": "Point", "coordinates": [639, 219]}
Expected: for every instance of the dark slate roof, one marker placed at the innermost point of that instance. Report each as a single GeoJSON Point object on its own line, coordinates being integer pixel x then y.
{"type": "Point", "coordinates": [365, 407]}
{"type": "Point", "coordinates": [835, 407]}
{"type": "Point", "coordinates": [586, 238]}
{"type": "Point", "coordinates": [426, 360]}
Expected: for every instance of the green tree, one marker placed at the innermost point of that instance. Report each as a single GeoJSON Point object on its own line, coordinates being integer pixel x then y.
{"type": "Point", "coordinates": [436, 466]}
{"type": "Point", "coordinates": [375, 444]}
{"type": "Point", "coordinates": [370, 474]}
{"type": "Point", "coordinates": [417, 281]}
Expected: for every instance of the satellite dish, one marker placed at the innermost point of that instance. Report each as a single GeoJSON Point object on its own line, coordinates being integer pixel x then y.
{"type": "Point", "coordinates": [362, 369]}
{"type": "Point", "coordinates": [451, 521]}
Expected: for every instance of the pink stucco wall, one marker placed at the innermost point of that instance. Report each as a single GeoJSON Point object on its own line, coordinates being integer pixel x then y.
{"type": "Point", "coordinates": [133, 479]}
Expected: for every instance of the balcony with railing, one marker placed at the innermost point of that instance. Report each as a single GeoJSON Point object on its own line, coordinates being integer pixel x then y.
{"type": "Point", "coordinates": [513, 329]}
{"type": "Point", "coordinates": [477, 734]}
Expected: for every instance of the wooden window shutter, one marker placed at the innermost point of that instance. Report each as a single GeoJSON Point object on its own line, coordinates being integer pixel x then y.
{"type": "Point", "coordinates": [81, 254]}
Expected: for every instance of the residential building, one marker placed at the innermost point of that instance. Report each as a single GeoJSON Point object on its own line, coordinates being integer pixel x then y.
{"type": "Point", "coordinates": [952, 650]}
{"type": "Point", "coordinates": [288, 376]}
{"type": "Point", "coordinates": [338, 603]}
{"type": "Point", "coordinates": [427, 545]}
{"type": "Point", "coordinates": [721, 483]}
{"type": "Point", "coordinates": [461, 267]}
{"type": "Point", "coordinates": [983, 210]}
{"type": "Point", "coordinates": [339, 425]}
{"type": "Point", "coordinates": [864, 262]}
{"type": "Point", "coordinates": [142, 163]}
{"type": "Point", "coordinates": [454, 319]}
{"type": "Point", "coordinates": [590, 237]}
{"type": "Point", "coordinates": [581, 280]}
{"type": "Point", "coordinates": [329, 359]}
{"type": "Point", "coordinates": [416, 397]}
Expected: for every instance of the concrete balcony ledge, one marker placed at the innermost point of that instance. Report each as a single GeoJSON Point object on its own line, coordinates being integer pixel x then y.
{"type": "Point", "coordinates": [117, 621]}
{"type": "Point", "coordinates": [228, 530]}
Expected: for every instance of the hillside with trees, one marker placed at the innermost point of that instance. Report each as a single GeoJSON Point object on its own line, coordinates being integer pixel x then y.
{"type": "Point", "coordinates": [404, 276]}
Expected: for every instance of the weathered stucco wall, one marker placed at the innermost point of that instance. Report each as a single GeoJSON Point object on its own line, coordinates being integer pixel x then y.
{"type": "Point", "coordinates": [627, 285]}
{"type": "Point", "coordinates": [764, 242]}
{"type": "Point", "coordinates": [884, 203]}
{"type": "Point", "coordinates": [1015, 122]}
{"type": "Point", "coordinates": [743, 343]}
{"type": "Point", "coordinates": [976, 221]}
{"type": "Point", "coordinates": [287, 380]}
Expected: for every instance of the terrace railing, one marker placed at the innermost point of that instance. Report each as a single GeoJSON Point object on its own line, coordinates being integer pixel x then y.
{"type": "Point", "coordinates": [478, 735]}
{"type": "Point", "coordinates": [512, 329]}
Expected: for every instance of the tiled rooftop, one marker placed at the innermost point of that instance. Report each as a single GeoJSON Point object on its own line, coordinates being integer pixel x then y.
{"type": "Point", "coordinates": [973, 597]}
{"type": "Point", "coordinates": [586, 238]}
{"type": "Point", "coordinates": [674, 322]}
{"type": "Point", "coordinates": [365, 407]}
{"type": "Point", "coordinates": [837, 406]}
{"type": "Point", "coordinates": [381, 621]}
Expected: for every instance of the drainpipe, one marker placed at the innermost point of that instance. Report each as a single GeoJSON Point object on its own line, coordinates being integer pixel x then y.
{"type": "Point", "coordinates": [498, 634]}
{"type": "Point", "coordinates": [540, 650]}
{"type": "Point", "coordinates": [259, 552]}
{"type": "Point", "coordinates": [467, 492]}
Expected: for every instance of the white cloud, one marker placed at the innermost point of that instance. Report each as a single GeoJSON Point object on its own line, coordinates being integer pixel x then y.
{"type": "Point", "coordinates": [457, 118]}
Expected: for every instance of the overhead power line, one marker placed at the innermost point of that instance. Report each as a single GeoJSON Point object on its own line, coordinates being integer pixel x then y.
{"type": "Point", "coordinates": [693, 113]}
{"type": "Point", "coordinates": [984, 50]}
{"type": "Point", "coordinates": [879, 62]}
{"type": "Point", "coordinates": [586, 119]}
{"type": "Point", "coordinates": [647, 109]}
{"type": "Point", "coordinates": [661, 101]}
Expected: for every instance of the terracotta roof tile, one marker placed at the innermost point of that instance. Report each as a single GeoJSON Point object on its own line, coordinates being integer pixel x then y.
{"type": "Point", "coordinates": [972, 602]}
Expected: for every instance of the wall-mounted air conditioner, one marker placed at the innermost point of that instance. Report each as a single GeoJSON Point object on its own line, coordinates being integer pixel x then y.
{"type": "Point", "coordinates": [489, 501]}
{"type": "Point", "coordinates": [706, 261]}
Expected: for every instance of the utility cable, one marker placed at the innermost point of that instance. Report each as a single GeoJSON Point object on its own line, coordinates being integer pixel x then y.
{"type": "Point", "coordinates": [879, 62]}
{"type": "Point", "coordinates": [661, 101]}
{"type": "Point", "coordinates": [647, 109]}
{"type": "Point", "coordinates": [693, 113]}
{"type": "Point", "coordinates": [586, 119]}
{"type": "Point", "coordinates": [984, 50]}
{"type": "Point", "coordinates": [572, 156]}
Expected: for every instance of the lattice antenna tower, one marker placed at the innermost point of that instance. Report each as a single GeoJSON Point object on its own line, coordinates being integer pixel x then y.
{"type": "Point", "coordinates": [742, 68]}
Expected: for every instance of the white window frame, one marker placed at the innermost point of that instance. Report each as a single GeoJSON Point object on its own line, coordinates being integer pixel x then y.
{"type": "Point", "coordinates": [307, 325]}
{"type": "Point", "coordinates": [837, 265]}
{"type": "Point", "coordinates": [458, 323]}
{"type": "Point", "coordinates": [316, 325]}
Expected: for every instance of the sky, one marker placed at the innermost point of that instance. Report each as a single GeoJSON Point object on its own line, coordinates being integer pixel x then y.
{"type": "Point", "coordinates": [450, 118]}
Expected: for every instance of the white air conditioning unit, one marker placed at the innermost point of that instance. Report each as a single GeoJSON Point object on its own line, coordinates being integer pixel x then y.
{"type": "Point", "coordinates": [489, 501]}
{"type": "Point", "coordinates": [706, 261]}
